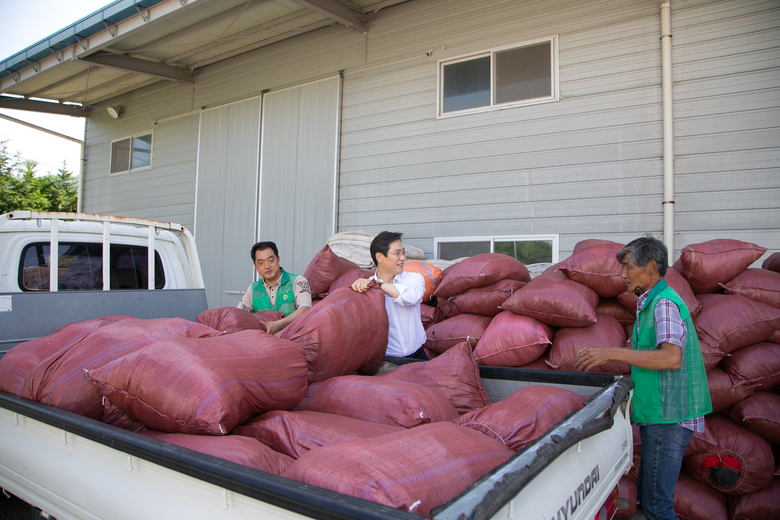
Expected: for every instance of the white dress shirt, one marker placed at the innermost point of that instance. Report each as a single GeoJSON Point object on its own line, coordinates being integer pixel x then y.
{"type": "Point", "coordinates": [406, 334]}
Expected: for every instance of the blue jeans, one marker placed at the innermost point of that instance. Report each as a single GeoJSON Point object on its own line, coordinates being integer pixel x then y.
{"type": "Point", "coordinates": [663, 446]}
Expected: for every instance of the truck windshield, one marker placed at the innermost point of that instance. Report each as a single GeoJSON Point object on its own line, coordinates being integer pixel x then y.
{"type": "Point", "coordinates": [80, 267]}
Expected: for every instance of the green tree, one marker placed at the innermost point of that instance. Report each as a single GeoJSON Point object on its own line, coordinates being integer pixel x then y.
{"type": "Point", "coordinates": [22, 189]}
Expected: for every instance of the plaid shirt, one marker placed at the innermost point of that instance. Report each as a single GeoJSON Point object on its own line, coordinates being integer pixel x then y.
{"type": "Point", "coordinates": [670, 328]}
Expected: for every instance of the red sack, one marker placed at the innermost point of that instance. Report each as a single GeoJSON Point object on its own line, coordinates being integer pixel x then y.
{"type": "Point", "coordinates": [676, 282]}
{"type": "Point", "coordinates": [524, 416]}
{"type": "Point", "coordinates": [554, 301]}
{"type": "Point", "coordinates": [234, 448]}
{"type": "Point", "coordinates": [59, 379]}
{"type": "Point", "coordinates": [774, 338]}
{"type": "Point", "coordinates": [345, 332]}
{"type": "Point", "coordinates": [763, 504]}
{"type": "Point", "coordinates": [597, 267]}
{"type": "Point", "coordinates": [759, 413]}
{"type": "Point", "coordinates": [606, 333]}
{"type": "Point", "coordinates": [348, 278]}
{"type": "Point", "coordinates": [454, 374]}
{"type": "Point", "coordinates": [710, 263]}
{"type": "Point", "coordinates": [723, 392]}
{"type": "Point", "coordinates": [741, 452]}
{"type": "Point", "coordinates": [696, 501]}
{"type": "Point", "coordinates": [378, 399]}
{"type": "Point", "coordinates": [772, 263]}
{"type": "Point", "coordinates": [479, 271]}
{"type": "Point", "coordinates": [232, 319]}
{"type": "Point", "coordinates": [512, 340]}
{"type": "Point", "coordinates": [590, 242]}
{"type": "Point", "coordinates": [633, 473]}
{"type": "Point", "coordinates": [324, 269]}
{"type": "Point", "coordinates": [627, 492]}
{"type": "Point", "coordinates": [115, 416]}
{"type": "Point", "coordinates": [430, 273]}
{"type": "Point", "coordinates": [430, 315]}
{"type": "Point", "coordinates": [22, 359]}
{"type": "Point", "coordinates": [485, 301]}
{"type": "Point", "coordinates": [448, 333]}
{"type": "Point", "coordinates": [205, 385]}
{"type": "Point", "coordinates": [295, 433]}
{"type": "Point", "coordinates": [390, 470]}
{"type": "Point", "coordinates": [760, 285]}
{"type": "Point", "coordinates": [754, 366]}
{"type": "Point", "coordinates": [729, 322]}
{"type": "Point", "coordinates": [540, 364]}
{"type": "Point", "coordinates": [611, 307]}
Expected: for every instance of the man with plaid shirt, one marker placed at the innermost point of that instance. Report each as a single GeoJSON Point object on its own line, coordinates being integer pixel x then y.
{"type": "Point", "coordinates": [671, 395]}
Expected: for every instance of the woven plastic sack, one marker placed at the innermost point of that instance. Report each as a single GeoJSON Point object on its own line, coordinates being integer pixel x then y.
{"type": "Point", "coordinates": [485, 301]}
{"type": "Point", "coordinates": [59, 379]}
{"type": "Point", "coordinates": [696, 501]}
{"type": "Point", "coordinates": [759, 413]}
{"type": "Point", "coordinates": [590, 242]}
{"type": "Point", "coordinates": [378, 399]}
{"type": "Point", "coordinates": [723, 392]}
{"type": "Point", "coordinates": [737, 448]}
{"type": "Point", "coordinates": [454, 374]}
{"type": "Point", "coordinates": [605, 333]}
{"type": "Point", "coordinates": [430, 315]}
{"type": "Point", "coordinates": [754, 366]}
{"type": "Point", "coordinates": [448, 333]}
{"type": "Point", "coordinates": [729, 322]}
{"type": "Point", "coordinates": [22, 359]}
{"type": "Point", "coordinates": [512, 340]}
{"type": "Point", "coordinates": [763, 504]}
{"type": "Point", "coordinates": [708, 264]}
{"type": "Point", "coordinates": [414, 470]}
{"type": "Point", "coordinates": [348, 278]}
{"type": "Point", "coordinates": [774, 338]}
{"type": "Point", "coordinates": [539, 364]}
{"type": "Point", "coordinates": [205, 385]}
{"type": "Point", "coordinates": [295, 433]}
{"type": "Point", "coordinates": [345, 332]}
{"type": "Point", "coordinates": [524, 416]}
{"type": "Point", "coordinates": [555, 301]}
{"type": "Point", "coordinates": [116, 417]}
{"type": "Point", "coordinates": [627, 492]}
{"type": "Point", "coordinates": [760, 285]}
{"type": "Point", "coordinates": [611, 307]}
{"type": "Point", "coordinates": [232, 319]}
{"type": "Point", "coordinates": [430, 273]}
{"type": "Point", "coordinates": [234, 448]}
{"type": "Point", "coordinates": [597, 267]}
{"type": "Point", "coordinates": [772, 263]}
{"type": "Point", "coordinates": [479, 271]}
{"type": "Point", "coordinates": [324, 269]}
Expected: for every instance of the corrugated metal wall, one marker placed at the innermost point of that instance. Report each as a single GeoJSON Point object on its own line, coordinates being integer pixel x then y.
{"type": "Point", "coordinates": [587, 166]}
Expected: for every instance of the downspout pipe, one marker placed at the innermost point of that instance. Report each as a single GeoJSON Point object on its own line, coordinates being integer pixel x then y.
{"type": "Point", "coordinates": [668, 124]}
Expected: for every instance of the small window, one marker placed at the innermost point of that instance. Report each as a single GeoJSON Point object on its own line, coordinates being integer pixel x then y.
{"type": "Point", "coordinates": [132, 153]}
{"type": "Point", "coordinates": [500, 78]}
{"type": "Point", "coordinates": [80, 267]}
{"type": "Point", "coordinates": [529, 249]}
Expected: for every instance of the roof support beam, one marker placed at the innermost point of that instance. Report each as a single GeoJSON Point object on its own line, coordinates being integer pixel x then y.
{"type": "Point", "coordinates": [139, 66]}
{"type": "Point", "coordinates": [337, 12]}
{"type": "Point", "coordinates": [44, 106]}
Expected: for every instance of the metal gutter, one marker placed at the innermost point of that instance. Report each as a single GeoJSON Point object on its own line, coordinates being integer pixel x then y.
{"type": "Point", "coordinates": [98, 21]}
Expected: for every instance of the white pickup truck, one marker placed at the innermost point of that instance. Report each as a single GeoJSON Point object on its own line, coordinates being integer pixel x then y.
{"type": "Point", "coordinates": [70, 466]}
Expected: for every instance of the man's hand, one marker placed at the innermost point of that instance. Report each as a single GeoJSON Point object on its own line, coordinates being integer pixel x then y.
{"type": "Point", "coordinates": [272, 327]}
{"type": "Point", "coordinates": [589, 358]}
{"type": "Point", "coordinates": [361, 285]}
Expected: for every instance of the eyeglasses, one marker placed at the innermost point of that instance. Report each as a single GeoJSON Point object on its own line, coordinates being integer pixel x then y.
{"type": "Point", "coordinates": [398, 253]}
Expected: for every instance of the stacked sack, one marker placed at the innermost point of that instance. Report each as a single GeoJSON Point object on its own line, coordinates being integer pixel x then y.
{"type": "Point", "coordinates": [355, 247]}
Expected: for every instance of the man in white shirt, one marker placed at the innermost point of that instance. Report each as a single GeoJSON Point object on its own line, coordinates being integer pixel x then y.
{"type": "Point", "coordinates": [403, 296]}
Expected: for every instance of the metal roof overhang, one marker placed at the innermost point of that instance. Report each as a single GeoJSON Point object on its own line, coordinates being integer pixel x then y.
{"type": "Point", "coordinates": [130, 44]}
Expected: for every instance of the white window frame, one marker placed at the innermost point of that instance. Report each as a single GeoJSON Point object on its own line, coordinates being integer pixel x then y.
{"type": "Point", "coordinates": [555, 239]}
{"type": "Point", "coordinates": [131, 170]}
{"type": "Point", "coordinates": [555, 95]}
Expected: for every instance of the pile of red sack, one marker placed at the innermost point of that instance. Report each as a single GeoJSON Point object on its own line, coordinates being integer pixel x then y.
{"type": "Point", "coordinates": [541, 323]}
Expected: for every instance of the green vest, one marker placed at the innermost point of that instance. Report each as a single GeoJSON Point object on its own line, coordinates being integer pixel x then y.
{"type": "Point", "coordinates": [285, 297]}
{"type": "Point", "coordinates": [668, 396]}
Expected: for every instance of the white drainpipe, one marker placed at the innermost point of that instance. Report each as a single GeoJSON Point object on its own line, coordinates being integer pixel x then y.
{"type": "Point", "coordinates": [668, 124]}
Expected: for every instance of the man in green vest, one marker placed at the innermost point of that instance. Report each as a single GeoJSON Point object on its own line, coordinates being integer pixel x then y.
{"type": "Point", "coordinates": [276, 290]}
{"type": "Point", "coordinates": [671, 395]}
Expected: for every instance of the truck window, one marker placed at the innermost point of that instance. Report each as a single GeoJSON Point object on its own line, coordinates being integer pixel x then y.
{"type": "Point", "coordinates": [80, 267]}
